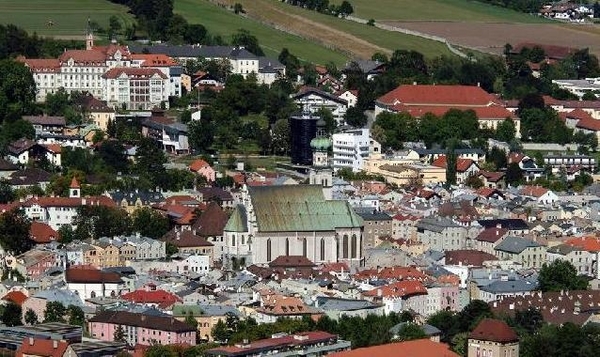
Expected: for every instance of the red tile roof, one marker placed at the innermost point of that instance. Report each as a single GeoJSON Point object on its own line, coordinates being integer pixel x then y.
{"type": "Point", "coordinates": [435, 95]}
{"type": "Point", "coordinates": [114, 73]}
{"type": "Point", "coordinates": [589, 244]}
{"type": "Point", "coordinates": [17, 297]}
{"type": "Point", "coordinates": [275, 304]}
{"type": "Point", "coordinates": [468, 257]}
{"type": "Point", "coordinates": [492, 112]}
{"type": "Point", "coordinates": [74, 183]}
{"type": "Point", "coordinates": [491, 176]}
{"type": "Point", "coordinates": [41, 348]}
{"type": "Point", "coordinates": [70, 201]}
{"type": "Point", "coordinates": [414, 348]}
{"type": "Point", "coordinates": [198, 164]}
{"type": "Point", "coordinates": [42, 65]}
{"type": "Point", "coordinates": [462, 165]}
{"type": "Point", "coordinates": [41, 233]}
{"type": "Point", "coordinates": [185, 239]}
{"type": "Point", "coordinates": [291, 261]}
{"type": "Point", "coordinates": [491, 235]}
{"type": "Point", "coordinates": [259, 347]}
{"type": "Point", "coordinates": [154, 60]}
{"type": "Point", "coordinates": [162, 298]}
{"type": "Point", "coordinates": [54, 148]}
{"type": "Point", "coordinates": [87, 274]}
{"type": "Point", "coordinates": [212, 221]}
{"type": "Point", "coordinates": [398, 289]}
{"type": "Point", "coordinates": [495, 331]}
{"type": "Point", "coordinates": [393, 273]}
{"type": "Point", "coordinates": [83, 57]}
{"type": "Point", "coordinates": [533, 191]}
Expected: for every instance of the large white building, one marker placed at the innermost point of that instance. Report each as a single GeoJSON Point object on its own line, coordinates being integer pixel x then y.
{"type": "Point", "coordinates": [351, 148]}
{"type": "Point", "coordinates": [136, 88]}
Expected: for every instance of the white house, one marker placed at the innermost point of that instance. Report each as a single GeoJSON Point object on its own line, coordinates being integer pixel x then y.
{"type": "Point", "coordinates": [351, 148]}
{"type": "Point", "coordinates": [313, 99]}
{"type": "Point", "coordinates": [88, 282]}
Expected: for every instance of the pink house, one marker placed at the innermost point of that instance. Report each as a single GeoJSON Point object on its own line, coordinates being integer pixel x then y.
{"type": "Point", "coordinates": [141, 329]}
{"type": "Point", "coordinates": [202, 168]}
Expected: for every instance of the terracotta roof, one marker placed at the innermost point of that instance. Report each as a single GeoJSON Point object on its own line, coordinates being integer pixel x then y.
{"type": "Point", "coordinates": [42, 348]}
{"type": "Point", "coordinates": [70, 201]}
{"type": "Point", "coordinates": [154, 60]}
{"type": "Point", "coordinates": [486, 191]}
{"type": "Point", "coordinates": [584, 104]}
{"type": "Point", "coordinates": [291, 261]}
{"type": "Point", "coordinates": [185, 239]}
{"type": "Point", "coordinates": [275, 304]}
{"type": "Point", "coordinates": [86, 274]}
{"type": "Point", "coordinates": [589, 244]}
{"type": "Point", "coordinates": [180, 214]}
{"type": "Point", "coordinates": [434, 95]}
{"type": "Point", "coordinates": [74, 183]}
{"type": "Point", "coordinates": [211, 222]}
{"type": "Point", "coordinates": [21, 145]}
{"type": "Point", "coordinates": [533, 191]}
{"type": "Point", "coordinates": [515, 157]}
{"type": "Point", "coordinates": [162, 298]}
{"type": "Point", "coordinates": [492, 112]}
{"type": "Point", "coordinates": [462, 165]}
{"type": "Point", "coordinates": [491, 235]}
{"type": "Point", "coordinates": [54, 148]}
{"type": "Point", "coordinates": [335, 267]}
{"type": "Point", "coordinates": [398, 289]}
{"type": "Point", "coordinates": [495, 331]}
{"type": "Point", "coordinates": [198, 164]}
{"type": "Point", "coordinates": [85, 57]}
{"type": "Point", "coordinates": [42, 64]}
{"type": "Point", "coordinates": [392, 273]}
{"type": "Point", "coordinates": [17, 297]}
{"type": "Point", "coordinates": [125, 318]}
{"type": "Point", "coordinates": [414, 348]}
{"type": "Point", "coordinates": [41, 233]}
{"type": "Point", "coordinates": [468, 257]}
{"type": "Point", "coordinates": [491, 176]}
{"type": "Point", "coordinates": [114, 73]}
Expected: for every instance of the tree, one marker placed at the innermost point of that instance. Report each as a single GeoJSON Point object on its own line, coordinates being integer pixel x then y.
{"type": "Point", "coordinates": [76, 315]}
{"type": "Point", "coordinates": [14, 232]}
{"type": "Point", "coordinates": [220, 332]}
{"type": "Point", "coordinates": [451, 161]}
{"type": "Point", "coordinates": [55, 312]}
{"type": "Point", "coordinates": [514, 174]}
{"type": "Point", "coordinates": [506, 131]}
{"type": "Point", "coordinates": [345, 9]}
{"type": "Point", "coordinates": [355, 117]}
{"type": "Point", "coordinates": [238, 8]}
{"type": "Point", "coordinates": [11, 314]}
{"type": "Point", "coordinates": [119, 335]}
{"type": "Point", "coordinates": [191, 320]}
{"type": "Point", "coordinates": [149, 223]}
{"type": "Point", "coordinates": [560, 275]}
{"type": "Point", "coordinates": [281, 137]}
{"type": "Point", "coordinates": [17, 90]}
{"type": "Point", "coordinates": [194, 34]}
{"type": "Point", "coordinates": [243, 38]}
{"type": "Point", "coordinates": [497, 157]}
{"type": "Point", "coordinates": [31, 317]}
{"type": "Point", "coordinates": [114, 25]}
{"type": "Point", "coordinates": [474, 182]}
{"type": "Point", "coordinates": [160, 351]}
{"type": "Point", "coordinates": [410, 331]}
{"type": "Point", "coordinates": [6, 192]}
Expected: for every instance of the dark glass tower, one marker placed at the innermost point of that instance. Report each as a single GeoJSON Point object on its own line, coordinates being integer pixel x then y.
{"type": "Point", "coordinates": [303, 128]}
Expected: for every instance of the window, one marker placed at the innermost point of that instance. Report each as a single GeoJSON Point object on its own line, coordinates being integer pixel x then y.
{"type": "Point", "coordinates": [233, 240]}
{"type": "Point", "coordinates": [287, 246]}
{"type": "Point", "coordinates": [304, 247]}
{"type": "Point", "coordinates": [269, 249]}
{"type": "Point", "coordinates": [353, 247]}
{"type": "Point", "coordinates": [322, 255]}
{"type": "Point", "coordinates": [345, 247]}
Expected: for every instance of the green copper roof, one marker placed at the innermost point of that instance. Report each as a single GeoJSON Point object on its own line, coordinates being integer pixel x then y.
{"type": "Point", "coordinates": [300, 208]}
{"type": "Point", "coordinates": [237, 221]}
{"type": "Point", "coordinates": [320, 143]}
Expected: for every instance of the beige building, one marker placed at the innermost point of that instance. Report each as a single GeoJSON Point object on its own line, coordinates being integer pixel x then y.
{"type": "Point", "coordinates": [493, 338]}
{"type": "Point", "coordinates": [522, 251]}
{"type": "Point", "coordinates": [406, 174]}
{"type": "Point", "coordinates": [207, 316]}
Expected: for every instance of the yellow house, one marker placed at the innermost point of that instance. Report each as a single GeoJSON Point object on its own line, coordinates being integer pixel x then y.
{"type": "Point", "coordinates": [404, 174]}
{"type": "Point", "coordinates": [207, 316]}
{"type": "Point", "coordinates": [96, 111]}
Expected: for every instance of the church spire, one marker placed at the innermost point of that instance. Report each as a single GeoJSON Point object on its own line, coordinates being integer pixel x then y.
{"type": "Point", "coordinates": [89, 36]}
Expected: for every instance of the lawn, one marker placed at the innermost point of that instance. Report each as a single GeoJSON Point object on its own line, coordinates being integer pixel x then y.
{"type": "Point", "coordinates": [225, 23]}
{"type": "Point", "coordinates": [64, 18]}
{"type": "Point", "coordinates": [437, 10]}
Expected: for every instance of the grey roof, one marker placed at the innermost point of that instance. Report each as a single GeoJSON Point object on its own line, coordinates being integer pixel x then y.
{"type": "Point", "coordinates": [423, 151]}
{"type": "Point", "coordinates": [336, 304]}
{"type": "Point", "coordinates": [562, 249]}
{"type": "Point", "coordinates": [66, 297]}
{"type": "Point", "coordinates": [509, 286]}
{"type": "Point", "coordinates": [428, 329]}
{"type": "Point", "coordinates": [436, 224]}
{"type": "Point", "coordinates": [147, 197]}
{"type": "Point", "coordinates": [365, 65]}
{"type": "Point", "coordinates": [512, 244]}
{"type": "Point", "coordinates": [509, 223]}
{"type": "Point", "coordinates": [370, 214]}
{"type": "Point", "coordinates": [193, 51]}
{"type": "Point", "coordinates": [264, 62]}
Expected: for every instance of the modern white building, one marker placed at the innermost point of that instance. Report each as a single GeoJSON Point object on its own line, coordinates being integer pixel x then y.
{"type": "Point", "coordinates": [579, 86]}
{"type": "Point", "coordinates": [351, 148]}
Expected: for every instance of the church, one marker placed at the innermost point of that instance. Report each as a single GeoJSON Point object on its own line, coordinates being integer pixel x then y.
{"type": "Point", "coordinates": [295, 220]}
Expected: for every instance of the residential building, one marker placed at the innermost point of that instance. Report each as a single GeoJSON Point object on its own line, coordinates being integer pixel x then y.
{"type": "Point", "coordinates": [46, 124]}
{"type": "Point", "coordinates": [581, 252]}
{"type": "Point", "coordinates": [296, 220]}
{"type": "Point", "coordinates": [135, 199]}
{"type": "Point", "coordinates": [521, 250]}
{"type": "Point", "coordinates": [189, 242]}
{"type": "Point", "coordinates": [96, 111]}
{"type": "Point", "coordinates": [141, 329]}
{"type": "Point", "coordinates": [377, 225]}
{"type": "Point", "coordinates": [275, 306]}
{"type": "Point", "coordinates": [166, 65]}
{"type": "Point", "coordinates": [351, 148]}
{"type": "Point", "coordinates": [492, 337]}
{"type": "Point", "coordinates": [172, 136]}
{"type": "Point", "coordinates": [465, 168]}
{"type": "Point", "coordinates": [314, 343]}
{"type": "Point", "coordinates": [404, 227]}
{"type": "Point", "coordinates": [418, 100]}
{"type": "Point", "coordinates": [151, 296]}
{"type": "Point", "coordinates": [206, 315]}
{"type": "Point", "coordinates": [400, 296]}
{"type": "Point", "coordinates": [441, 234]}
{"type": "Point", "coordinates": [488, 238]}
{"type": "Point", "coordinates": [136, 88]}
{"type": "Point", "coordinates": [312, 100]}
{"type": "Point", "coordinates": [202, 168]}
{"type": "Point", "coordinates": [35, 263]}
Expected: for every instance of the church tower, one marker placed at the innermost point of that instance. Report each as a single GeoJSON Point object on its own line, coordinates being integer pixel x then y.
{"type": "Point", "coordinates": [74, 188]}
{"type": "Point", "coordinates": [89, 36]}
{"type": "Point", "coordinates": [320, 172]}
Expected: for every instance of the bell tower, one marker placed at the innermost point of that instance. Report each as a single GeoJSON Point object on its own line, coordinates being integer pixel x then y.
{"type": "Point", "coordinates": [320, 172]}
{"type": "Point", "coordinates": [89, 36]}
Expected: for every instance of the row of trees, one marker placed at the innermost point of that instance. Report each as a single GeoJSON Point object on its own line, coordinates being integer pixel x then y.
{"type": "Point", "coordinates": [12, 314]}
{"type": "Point", "coordinates": [323, 6]}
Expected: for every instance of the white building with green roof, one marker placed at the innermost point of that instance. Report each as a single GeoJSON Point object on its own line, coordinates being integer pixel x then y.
{"type": "Point", "coordinates": [292, 220]}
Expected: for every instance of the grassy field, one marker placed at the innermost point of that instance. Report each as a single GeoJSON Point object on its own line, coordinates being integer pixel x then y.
{"type": "Point", "coordinates": [63, 18]}
{"type": "Point", "coordinates": [437, 10]}
{"type": "Point", "coordinates": [223, 22]}
{"type": "Point", "coordinates": [358, 39]}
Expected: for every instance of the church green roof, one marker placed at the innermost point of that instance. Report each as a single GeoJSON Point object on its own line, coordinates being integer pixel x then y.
{"type": "Point", "coordinates": [300, 208]}
{"type": "Point", "coordinates": [237, 221]}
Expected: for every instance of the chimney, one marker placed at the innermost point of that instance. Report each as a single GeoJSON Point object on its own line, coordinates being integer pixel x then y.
{"type": "Point", "coordinates": [31, 341]}
{"type": "Point", "coordinates": [54, 344]}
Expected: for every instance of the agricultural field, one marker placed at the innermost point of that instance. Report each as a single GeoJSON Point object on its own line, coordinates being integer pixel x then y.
{"type": "Point", "coordinates": [437, 10]}
{"type": "Point", "coordinates": [65, 19]}
{"type": "Point", "coordinates": [359, 39]}
{"type": "Point", "coordinates": [221, 21]}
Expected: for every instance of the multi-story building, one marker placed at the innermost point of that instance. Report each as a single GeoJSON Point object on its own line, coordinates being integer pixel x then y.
{"type": "Point", "coordinates": [136, 88]}
{"type": "Point", "coordinates": [522, 251]}
{"type": "Point", "coordinates": [582, 252]}
{"type": "Point", "coordinates": [351, 148]}
{"type": "Point", "coordinates": [141, 329]}
{"type": "Point", "coordinates": [492, 338]}
{"type": "Point", "coordinates": [88, 282]}
{"type": "Point", "coordinates": [313, 99]}
{"type": "Point", "coordinates": [441, 234]}
{"type": "Point", "coordinates": [167, 65]}
{"type": "Point", "coordinates": [401, 296]}
{"type": "Point", "coordinates": [207, 316]}
{"type": "Point", "coordinates": [377, 225]}
{"type": "Point", "coordinates": [172, 136]}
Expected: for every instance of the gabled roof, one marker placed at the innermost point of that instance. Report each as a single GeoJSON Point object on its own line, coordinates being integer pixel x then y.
{"type": "Point", "coordinates": [402, 289]}
{"type": "Point", "coordinates": [434, 95]}
{"type": "Point", "coordinates": [116, 72]}
{"type": "Point", "coordinates": [89, 275]}
{"type": "Point", "coordinates": [491, 176]}
{"type": "Point", "coordinates": [17, 297]}
{"type": "Point", "coordinates": [462, 165]}
{"type": "Point", "coordinates": [185, 239]}
{"type": "Point", "coordinates": [516, 245]}
{"type": "Point", "coordinates": [154, 60]}
{"type": "Point", "coordinates": [492, 234]}
{"type": "Point", "coordinates": [291, 261]}
{"type": "Point", "coordinates": [198, 164]}
{"type": "Point", "coordinates": [41, 233]}
{"type": "Point", "coordinates": [533, 191]}
{"type": "Point", "coordinates": [495, 331]}
{"type": "Point", "coordinates": [468, 257]}
{"type": "Point", "coordinates": [42, 347]}
{"type": "Point", "coordinates": [211, 222]}
{"type": "Point", "coordinates": [414, 348]}
{"type": "Point", "coordinates": [588, 244]}
{"type": "Point", "coordinates": [162, 298]}
{"type": "Point", "coordinates": [306, 90]}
